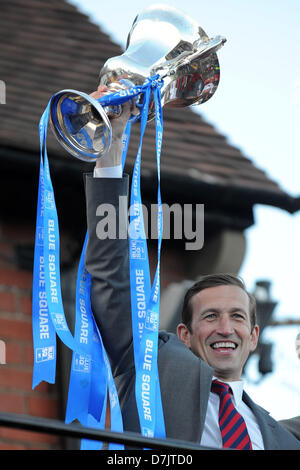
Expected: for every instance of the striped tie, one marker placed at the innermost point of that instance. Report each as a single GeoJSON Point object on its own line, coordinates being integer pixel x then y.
{"type": "Point", "coordinates": [232, 425]}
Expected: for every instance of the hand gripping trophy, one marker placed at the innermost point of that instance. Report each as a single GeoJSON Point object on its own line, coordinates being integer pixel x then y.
{"type": "Point", "coordinates": [162, 41]}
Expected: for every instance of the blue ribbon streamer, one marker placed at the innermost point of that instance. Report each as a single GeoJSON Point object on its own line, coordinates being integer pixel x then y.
{"type": "Point", "coordinates": [90, 377]}
{"type": "Point", "coordinates": [144, 299]}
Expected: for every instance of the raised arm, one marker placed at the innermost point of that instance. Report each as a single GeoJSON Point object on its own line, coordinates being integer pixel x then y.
{"type": "Point", "coordinates": [107, 260]}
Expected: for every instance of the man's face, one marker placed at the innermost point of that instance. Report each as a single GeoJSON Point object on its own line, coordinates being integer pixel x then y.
{"type": "Point", "coordinates": [220, 331]}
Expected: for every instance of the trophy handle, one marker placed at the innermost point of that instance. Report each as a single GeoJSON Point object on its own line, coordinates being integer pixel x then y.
{"type": "Point", "coordinates": [80, 124]}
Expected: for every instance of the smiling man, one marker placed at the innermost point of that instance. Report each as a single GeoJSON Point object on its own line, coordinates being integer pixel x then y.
{"type": "Point", "coordinates": [219, 324]}
{"type": "Point", "coordinates": [200, 369]}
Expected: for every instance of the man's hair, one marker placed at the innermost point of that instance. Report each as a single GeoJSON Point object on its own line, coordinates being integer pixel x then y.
{"type": "Point", "coordinates": [215, 280]}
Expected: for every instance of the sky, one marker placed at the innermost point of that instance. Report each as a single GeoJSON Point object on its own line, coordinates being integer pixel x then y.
{"type": "Point", "coordinates": [257, 107]}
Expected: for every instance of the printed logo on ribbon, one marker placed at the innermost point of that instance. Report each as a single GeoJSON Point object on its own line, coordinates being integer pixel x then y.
{"type": "Point", "coordinates": [138, 249]}
{"type": "Point", "coordinates": [147, 432]}
{"type": "Point", "coordinates": [40, 236]}
{"type": "Point", "coordinates": [151, 321]}
{"type": "Point", "coordinates": [60, 322]}
{"type": "Point", "coordinates": [82, 363]}
{"type": "Point", "coordinates": [49, 200]}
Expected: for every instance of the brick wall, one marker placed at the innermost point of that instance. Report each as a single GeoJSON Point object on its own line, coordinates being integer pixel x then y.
{"type": "Point", "coordinates": [16, 394]}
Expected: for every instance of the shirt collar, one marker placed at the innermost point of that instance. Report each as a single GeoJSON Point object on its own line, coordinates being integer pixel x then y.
{"type": "Point", "coordinates": [237, 388]}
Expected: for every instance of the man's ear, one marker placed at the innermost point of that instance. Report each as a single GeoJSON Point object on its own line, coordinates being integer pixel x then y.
{"type": "Point", "coordinates": [254, 338]}
{"type": "Point", "coordinates": [184, 334]}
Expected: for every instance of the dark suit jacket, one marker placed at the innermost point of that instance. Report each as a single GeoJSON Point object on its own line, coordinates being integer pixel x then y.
{"type": "Point", "coordinates": [185, 379]}
{"type": "Point", "coordinates": [292, 425]}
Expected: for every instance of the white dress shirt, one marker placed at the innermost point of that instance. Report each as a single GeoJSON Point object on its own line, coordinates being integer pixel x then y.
{"type": "Point", "coordinates": [211, 436]}
{"type": "Point", "coordinates": [108, 172]}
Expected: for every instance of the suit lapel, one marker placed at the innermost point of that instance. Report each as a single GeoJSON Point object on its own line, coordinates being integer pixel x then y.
{"type": "Point", "coordinates": [265, 423]}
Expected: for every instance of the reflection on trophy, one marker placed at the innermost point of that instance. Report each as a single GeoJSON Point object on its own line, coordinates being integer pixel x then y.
{"type": "Point", "coordinates": [162, 41]}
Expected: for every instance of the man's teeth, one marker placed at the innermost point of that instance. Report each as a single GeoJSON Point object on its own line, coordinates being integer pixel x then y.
{"type": "Point", "coordinates": [223, 344]}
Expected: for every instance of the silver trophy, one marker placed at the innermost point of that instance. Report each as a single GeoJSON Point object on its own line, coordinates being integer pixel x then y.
{"type": "Point", "coordinates": [162, 41]}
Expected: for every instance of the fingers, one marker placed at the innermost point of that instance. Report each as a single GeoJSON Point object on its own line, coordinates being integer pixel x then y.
{"type": "Point", "coordinates": [101, 91]}
{"type": "Point", "coordinates": [128, 108]}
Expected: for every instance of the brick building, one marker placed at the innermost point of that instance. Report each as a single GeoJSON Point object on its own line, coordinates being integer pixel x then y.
{"type": "Point", "coordinates": [48, 46]}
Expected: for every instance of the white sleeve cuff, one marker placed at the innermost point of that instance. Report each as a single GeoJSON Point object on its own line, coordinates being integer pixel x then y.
{"type": "Point", "coordinates": [108, 172]}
